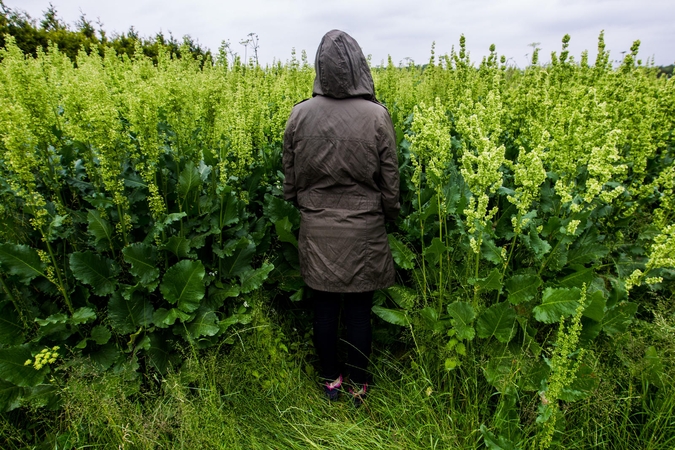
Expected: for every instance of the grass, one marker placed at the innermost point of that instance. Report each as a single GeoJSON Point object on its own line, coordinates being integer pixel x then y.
{"type": "Point", "coordinates": [262, 392]}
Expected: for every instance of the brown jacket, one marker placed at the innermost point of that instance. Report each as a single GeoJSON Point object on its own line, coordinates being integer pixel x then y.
{"type": "Point", "coordinates": [341, 168]}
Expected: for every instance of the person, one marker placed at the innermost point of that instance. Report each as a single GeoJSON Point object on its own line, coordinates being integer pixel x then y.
{"type": "Point", "coordinates": [341, 170]}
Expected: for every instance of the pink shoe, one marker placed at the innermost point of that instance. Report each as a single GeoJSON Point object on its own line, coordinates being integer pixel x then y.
{"type": "Point", "coordinates": [332, 389]}
{"type": "Point", "coordinates": [360, 395]}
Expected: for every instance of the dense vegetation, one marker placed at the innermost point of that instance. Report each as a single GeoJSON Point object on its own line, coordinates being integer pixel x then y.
{"type": "Point", "coordinates": [150, 286]}
{"type": "Point", "coordinates": [29, 35]}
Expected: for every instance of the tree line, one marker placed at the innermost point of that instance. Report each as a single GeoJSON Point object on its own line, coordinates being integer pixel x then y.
{"type": "Point", "coordinates": [32, 34]}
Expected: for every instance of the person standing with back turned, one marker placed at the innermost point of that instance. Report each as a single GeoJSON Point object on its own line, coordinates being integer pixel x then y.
{"type": "Point", "coordinates": [341, 169]}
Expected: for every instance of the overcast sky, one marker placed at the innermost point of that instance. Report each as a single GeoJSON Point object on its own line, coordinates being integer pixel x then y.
{"type": "Point", "coordinates": [400, 28]}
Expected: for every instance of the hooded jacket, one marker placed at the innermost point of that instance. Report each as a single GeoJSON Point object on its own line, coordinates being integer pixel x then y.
{"type": "Point", "coordinates": [341, 169]}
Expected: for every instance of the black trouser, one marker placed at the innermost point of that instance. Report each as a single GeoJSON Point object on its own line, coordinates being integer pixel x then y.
{"type": "Point", "coordinates": [357, 308]}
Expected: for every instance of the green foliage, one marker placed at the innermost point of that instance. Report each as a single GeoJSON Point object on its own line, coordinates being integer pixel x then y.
{"type": "Point", "coordinates": [183, 284]}
{"type": "Point", "coordinates": [13, 367]}
{"type": "Point", "coordinates": [94, 270]}
{"type": "Point", "coordinates": [462, 315]}
{"type": "Point", "coordinates": [499, 321]}
{"type": "Point", "coordinates": [22, 261]}
{"type": "Point", "coordinates": [557, 304]}
{"type": "Point", "coordinates": [392, 316]}
{"type": "Point", "coordinates": [142, 211]}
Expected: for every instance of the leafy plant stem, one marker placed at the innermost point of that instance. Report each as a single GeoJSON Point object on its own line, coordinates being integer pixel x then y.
{"type": "Point", "coordinates": [506, 265]}
{"type": "Point", "coordinates": [61, 286]}
{"type": "Point", "coordinates": [123, 224]}
{"type": "Point", "coordinates": [441, 220]}
{"type": "Point", "coordinates": [13, 299]}
{"type": "Point", "coordinates": [424, 272]}
{"type": "Point", "coordinates": [475, 274]}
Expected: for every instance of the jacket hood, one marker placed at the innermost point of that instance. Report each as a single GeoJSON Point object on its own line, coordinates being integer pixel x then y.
{"type": "Point", "coordinates": [341, 69]}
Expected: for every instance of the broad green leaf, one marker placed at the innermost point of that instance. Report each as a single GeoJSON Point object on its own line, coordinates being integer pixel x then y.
{"type": "Point", "coordinates": [587, 253]}
{"type": "Point", "coordinates": [254, 278]}
{"type": "Point", "coordinates": [173, 217]}
{"type": "Point", "coordinates": [183, 284]}
{"type": "Point", "coordinates": [578, 278]}
{"type": "Point", "coordinates": [625, 265]}
{"type": "Point", "coordinates": [10, 396]}
{"type": "Point", "coordinates": [128, 291]}
{"type": "Point", "coordinates": [452, 193]}
{"type": "Point", "coordinates": [227, 249]}
{"type": "Point", "coordinates": [430, 207]}
{"type": "Point", "coordinates": [241, 258]}
{"type": "Point", "coordinates": [100, 334]}
{"type": "Point", "coordinates": [94, 270]}
{"type": "Point", "coordinates": [590, 330]}
{"type": "Point", "coordinates": [163, 224]}
{"type": "Point", "coordinates": [143, 261]}
{"type": "Point", "coordinates": [557, 303]}
{"type": "Point", "coordinates": [558, 257]}
{"type": "Point", "coordinates": [652, 367]}
{"type": "Point", "coordinates": [435, 251]}
{"type": "Point", "coordinates": [491, 252]}
{"type": "Point", "coordinates": [275, 209]}
{"type": "Point", "coordinates": [403, 256]}
{"type": "Point", "coordinates": [11, 328]}
{"type": "Point", "coordinates": [536, 244]}
{"type": "Point", "coordinates": [227, 323]}
{"type": "Point", "coordinates": [83, 315]}
{"type": "Point", "coordinates": [595, 307]}
{"type": "Point", "coordinates": [534, 372]}
{"type": "Point", "coordinates": [451, 363]}
{"type": "Point", "coordinates": [159, 353]}
{"type": "Point", "coordinates": [462, 315]}
{"type": "Point", "coordinates": [297, 295]}
{"type": "Point", "coordinates": [618, 293]}
{"type": "Point", "coordinates": [404, 297]}
{"type": "Point", "coordinates": [218, 296]}
{"type": "Point", "coordinates": [43, 396]}
{"type": "Point", "coordinates": [618, 318]}
{"type": "Point", "coordinates": [393, 316]}
{"type": "Point", "coordinates": [492, 282]}
{"type": "Point", "coordinates": [284, 229]}
{"type": "Point", "coordinates": [14, 369]}
{"type": "Point", "coordinates": [529, 333]}
{"type": "Point", "coordinates": [430, 316]}
{"type": "Point", "coordinates": [205, 323]}
{"type": "Point", "coordinates": [228, 211]}
{"type": "Point", "coordinates": [496, 443]}
{"type": "Point", "coordinates": [522, 288]}
{"type": "Point", "coordinates": [587, 249]}
{"type": "Point", "coordinates": [164, 318]}
{"type": "Point", "coordinates": [499, 370]}
{"type": "Point", "coordinates": [99, 227]}
{"type": "Point", "coordinates": [551, 226]}
{"type": "Point", "coordinates": [204, 171]}
{"type": "Point", "coordinates": [22, 261]}
{"type": "Point", "coordinates": [585, 382]}
{"type": "Point", "coordinates": [498, 320]}
{"type": "Point", "coordinates": [54, 318]}
{"type": "Point", "coordinates": [104, 356]}
{"type": "Point", "coordinates": [141, 344]}
{"type": "Point", "coordinates": [179, 246]}
{"type": "Point", "coordinates": [126, 316]}
{"type": "Point", "coordinates": [134, 180]}
{"type": "Point", "coordinates": [188, 179]}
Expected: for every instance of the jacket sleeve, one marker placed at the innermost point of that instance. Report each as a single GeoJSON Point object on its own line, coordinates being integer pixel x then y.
{"type": "Point", "coordinates": [290, 190]}
{"type": "Point", "coordinates": [389, 175]}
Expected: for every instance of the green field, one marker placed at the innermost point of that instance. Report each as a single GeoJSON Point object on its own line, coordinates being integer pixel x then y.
{"type": "Point", "coordinates": [150, 293]}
